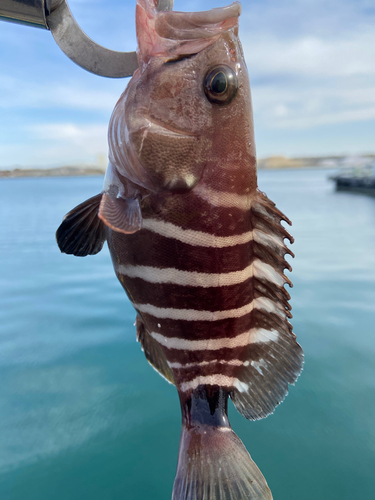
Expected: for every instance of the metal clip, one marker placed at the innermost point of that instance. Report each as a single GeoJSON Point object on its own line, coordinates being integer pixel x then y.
{"type": "Point", "coordinates": [56, 16]}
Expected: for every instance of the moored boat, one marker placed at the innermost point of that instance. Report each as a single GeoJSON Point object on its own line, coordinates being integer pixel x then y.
{"type": "Point", "coordinates": [357, 179]}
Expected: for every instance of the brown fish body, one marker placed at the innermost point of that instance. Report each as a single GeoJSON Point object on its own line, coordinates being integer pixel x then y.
{"type": "Point", "coordinates": [197, 247]}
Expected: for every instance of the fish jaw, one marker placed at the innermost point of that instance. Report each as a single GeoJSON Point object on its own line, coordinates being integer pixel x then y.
{"type": "Point", "coordinates": [171, 33]}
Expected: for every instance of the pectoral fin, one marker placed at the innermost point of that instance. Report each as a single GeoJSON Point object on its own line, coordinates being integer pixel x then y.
{"type": "Point", "coordinates": [120, 214]}
{"type": "Point", "coordinates": [81, 232]}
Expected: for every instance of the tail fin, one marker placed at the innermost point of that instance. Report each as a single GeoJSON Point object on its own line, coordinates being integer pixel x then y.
{"type": "Point", "coordinates": [213, 464]}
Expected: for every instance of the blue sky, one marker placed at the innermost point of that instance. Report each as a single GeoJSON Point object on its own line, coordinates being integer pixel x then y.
{"type": "Point", "coordinates": [311, 66]}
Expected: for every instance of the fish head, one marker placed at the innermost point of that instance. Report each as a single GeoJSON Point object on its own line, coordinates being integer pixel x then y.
{"type": "Point", "coordinates": [188, 106]}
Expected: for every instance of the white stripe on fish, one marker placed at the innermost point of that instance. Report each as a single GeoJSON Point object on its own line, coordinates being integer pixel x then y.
{"type": "Point", "coordinates": [205, 280]}
{"type": "Point", "coordinates": [218, 379]}
{"type": "Point", "coordinates": [223, 199]}
{"type": "Point", "coordinates": [265, 271]}
{"type": "Point", "coordinates": [195, 315]}
{"type": "Point", "coordinates": [200, 238]}
{"type": "Point", "coordinates": [195, 238]}
{"type": "Point", "coordinates": [268, 239]}
{"type": "Point", "coordinates": [232, 362]}
{"type": "Point", "coordinates": [253, 336]}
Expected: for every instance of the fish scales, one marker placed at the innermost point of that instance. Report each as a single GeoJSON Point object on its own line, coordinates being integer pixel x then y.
{"type": "Point", "coordinates": [199, 250]}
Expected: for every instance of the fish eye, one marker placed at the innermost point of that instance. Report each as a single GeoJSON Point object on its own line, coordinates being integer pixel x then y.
{"type": "Point", "coordinates": [220, 84]}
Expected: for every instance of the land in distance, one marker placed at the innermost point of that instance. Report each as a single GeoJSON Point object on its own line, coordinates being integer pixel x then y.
{"type": "Point", "coordinates": [272, 162]}
{"type": "Point", "coordinates": [68, 171]}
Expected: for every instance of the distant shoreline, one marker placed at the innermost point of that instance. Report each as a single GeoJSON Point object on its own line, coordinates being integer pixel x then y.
{"type": "Point", "coordinates": [271, 163]}
{"type": "Point", "coordinates": [51, 172]}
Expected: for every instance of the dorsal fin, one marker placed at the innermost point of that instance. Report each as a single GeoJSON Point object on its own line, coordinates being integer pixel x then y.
{"type": "Point", "coordinates": [273, 358]}
{"type": "Point", "coordinates": [81, 232]}
{"type": "Point", "coordinates": [153, 352]}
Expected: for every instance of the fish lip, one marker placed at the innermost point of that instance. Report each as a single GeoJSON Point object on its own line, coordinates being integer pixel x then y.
{"type": "Point", "coordinates": [174, 130]}
{"type": "Point", "coordinates": [156, 125]}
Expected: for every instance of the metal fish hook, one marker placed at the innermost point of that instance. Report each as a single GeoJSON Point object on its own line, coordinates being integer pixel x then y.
{"type": "Point", "coordinates": [56, 16]}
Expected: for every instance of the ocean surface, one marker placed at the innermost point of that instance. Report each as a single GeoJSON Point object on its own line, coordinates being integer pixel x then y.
{"type": "Point", "coordinates": [84, 417]}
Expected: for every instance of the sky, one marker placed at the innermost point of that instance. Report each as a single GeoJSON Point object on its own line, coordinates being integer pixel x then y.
{"type": "Point", "coordinates": [311, 65]}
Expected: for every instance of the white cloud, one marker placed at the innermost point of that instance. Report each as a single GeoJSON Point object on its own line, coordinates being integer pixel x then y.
{"type": "Point", "coordinates": [76, 134]}
{"type": "Point", "coordinates": [305, 82]}
{"type": "Point", "coordinates": [70, 143]}
{"type": "Point", "coordinates": [22, 94]}
{"type": "Point", "coordinates": [306, 121]}
{"type": "Point", "coordinates": [280, 107]}
{"type": "Point", "coordinates": [351, 55]}
{"type": "Point", "coordinates": [311, 63]}
{"type": "Point", "coordinates": [55, 144]}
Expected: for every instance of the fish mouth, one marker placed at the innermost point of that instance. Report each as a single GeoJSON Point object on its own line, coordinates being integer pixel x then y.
{"type": "Point", "coordinates": [159, 127]}
{"type": "Point", "coordinates": [175, 131]}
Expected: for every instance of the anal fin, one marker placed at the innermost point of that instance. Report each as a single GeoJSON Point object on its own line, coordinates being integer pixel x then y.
{"type": "Point", "coordinates": [272, 363]}
{"type": "Point", "coordinates": [81, 232]}
{"type": "Point", "coordinates": [153, 352]}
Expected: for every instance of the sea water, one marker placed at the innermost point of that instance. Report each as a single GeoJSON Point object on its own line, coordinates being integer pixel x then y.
{"type": "Point", "coordinates": [84, 417]}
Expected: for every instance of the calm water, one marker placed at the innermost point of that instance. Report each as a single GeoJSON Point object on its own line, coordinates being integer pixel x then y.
{"type": "Point", "coordinates": [84, 417]}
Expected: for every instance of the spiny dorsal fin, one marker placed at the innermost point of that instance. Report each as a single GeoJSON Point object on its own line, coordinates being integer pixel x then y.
{"type": "Point", "coordinates": [273, 358]}
{"type": "Point", "coordinates": [153, 351]}
{"type": "Point", "coordinates": [81, 232]}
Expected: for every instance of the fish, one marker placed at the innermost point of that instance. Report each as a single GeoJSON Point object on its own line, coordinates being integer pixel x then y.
{"type": "Point", "coordinates": [199, 250]}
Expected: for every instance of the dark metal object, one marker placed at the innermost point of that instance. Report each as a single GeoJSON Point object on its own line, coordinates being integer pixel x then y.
{"type": "Point", "coordinates": [29, 12]}
{"type": "Point", "coordinates": [364, 185]}
{"type": "Point", "coordinates": [358, 179]}
{"type": "Point", "coordinates": [56, 16]}
{"type": "Point", "coordinates": [85, 52]}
